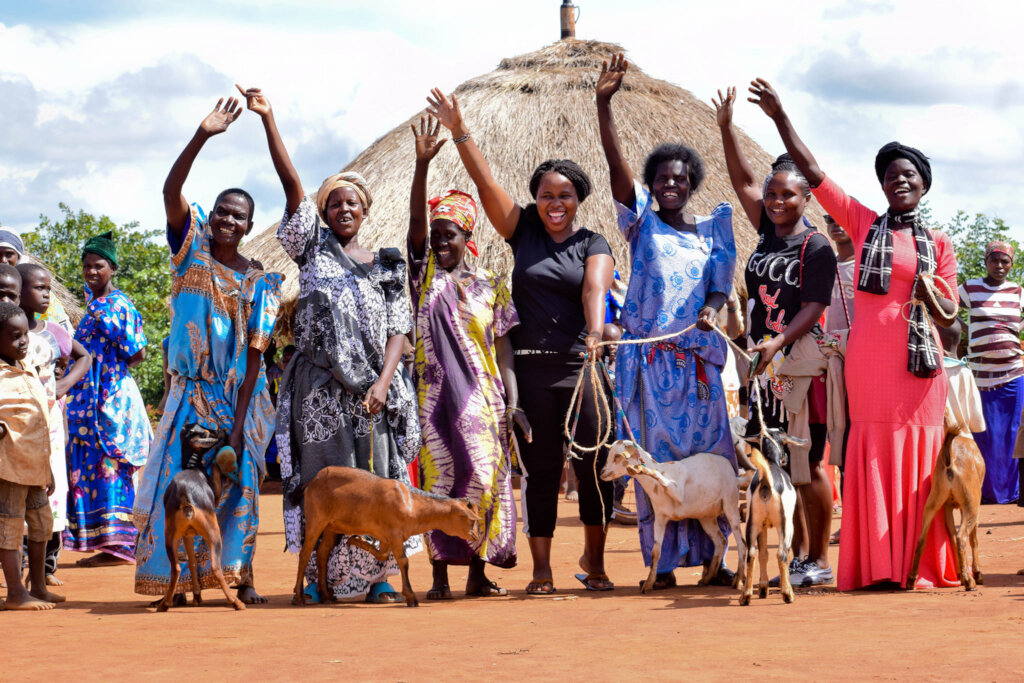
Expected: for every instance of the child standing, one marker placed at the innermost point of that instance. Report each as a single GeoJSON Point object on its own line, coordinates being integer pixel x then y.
{"type": "Point", "coordinates": [44, 354]}
{"type": "Point", "coordinates": [25, 477]}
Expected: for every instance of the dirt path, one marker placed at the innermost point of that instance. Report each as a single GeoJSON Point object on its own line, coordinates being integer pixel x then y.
{"type": "Point", "coordinates": [105, 631]}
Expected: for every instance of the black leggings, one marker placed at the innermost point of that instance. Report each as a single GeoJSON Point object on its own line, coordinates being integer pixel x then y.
{"type": "Point", "coordinates": [546, 384]}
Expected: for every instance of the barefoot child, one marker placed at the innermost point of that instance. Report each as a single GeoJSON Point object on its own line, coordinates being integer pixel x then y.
{"type": "Point", "coordinates": [44, 355]}
{"type": "Point", "coordinates": [25, 477]}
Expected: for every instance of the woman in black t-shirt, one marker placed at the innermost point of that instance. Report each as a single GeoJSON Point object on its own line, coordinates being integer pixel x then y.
{"type": "Point", "coordinates": [559, 280]}
{"type": "Point", "coordinates": [789, 277]}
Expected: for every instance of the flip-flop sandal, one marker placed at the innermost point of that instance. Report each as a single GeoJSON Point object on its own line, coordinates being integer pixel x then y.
{"type": "Point", "coordinates": [487, 590]}
{"type": "Point", "coordinates": [541, 587]}
{"type": "Point", "coordinates": [442, 593]}
{"type": "Point", "coordinates": [604, 583]}
{"type": "Point", "coordinates": [383, 594]}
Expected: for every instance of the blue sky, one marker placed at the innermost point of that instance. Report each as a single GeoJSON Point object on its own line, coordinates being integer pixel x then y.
{"type": "Point", "coordinates": [98, 98]}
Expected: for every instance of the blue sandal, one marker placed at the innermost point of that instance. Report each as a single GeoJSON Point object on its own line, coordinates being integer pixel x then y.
{"type": "Point", "coordinates": [382, 593]}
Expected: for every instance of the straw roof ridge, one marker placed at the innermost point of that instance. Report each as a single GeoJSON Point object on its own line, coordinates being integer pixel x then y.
{"type": "Point", "coordinates": [533, 107]}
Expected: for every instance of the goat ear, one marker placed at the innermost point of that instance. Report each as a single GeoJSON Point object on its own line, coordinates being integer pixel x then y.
{"type": "Point", "coordinates": [632, 470]}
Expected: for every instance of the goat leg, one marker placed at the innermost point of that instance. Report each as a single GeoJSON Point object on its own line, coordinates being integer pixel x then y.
{"type": "Point", "coordinates": [214, 543]}
{"type": "Point", "coordinates": [710, 526]}
{"type": "Point", "coordinates": [327, 543]}
{"type": "Point", "coordinates": [659, 538]}
{"type": "Point", "coordinates": [762, 560]}
{"type": "Point", "coordinates": [380, 554]}
{"type": "Point", "coordinates": [313, 530]}
{"type": "Point", "coordinates": [748, 579]}
{"type": "Point", "coordinates": [732, 513]}
{"type": "Point", "coordinates": [171, 539]}
{"type": "Point", "coordinates": [975, 563]}
{"type": "Point", "coordinates": [193, 566]}
{"type": "Point", "coordinates": [935, 499]}
{"type": "Point", "coordinates": [403, 566]}
{"type": "Point", "coordinates": [785, 543]}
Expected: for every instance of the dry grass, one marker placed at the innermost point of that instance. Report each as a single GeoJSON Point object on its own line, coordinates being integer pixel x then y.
{"type": "Point", "coordinates": [534, 107]}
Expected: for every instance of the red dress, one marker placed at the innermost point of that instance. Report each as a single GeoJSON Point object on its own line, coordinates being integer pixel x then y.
{"type": "Point", "coordinates": [896, 421]}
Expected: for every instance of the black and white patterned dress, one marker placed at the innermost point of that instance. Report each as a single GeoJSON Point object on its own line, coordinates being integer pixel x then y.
{"type": "Point", "coordinates": [346, 312]}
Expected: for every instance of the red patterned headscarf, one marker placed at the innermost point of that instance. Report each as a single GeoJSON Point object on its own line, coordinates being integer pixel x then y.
{"type": "Point", "coordinates": [999, 247]}
{"type": "Point", "coordinates": [459, 208]}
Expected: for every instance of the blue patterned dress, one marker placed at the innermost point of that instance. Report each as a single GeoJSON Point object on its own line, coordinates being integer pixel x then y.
{"type": "Point", "coordinates": [109, 430]}
{"type": "Point", "coordinates": [217, 314]}
{"type": "Point", "coordinates": [672, 391]}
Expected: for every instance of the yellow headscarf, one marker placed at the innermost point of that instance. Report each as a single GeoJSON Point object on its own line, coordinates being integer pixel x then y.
{"type": "Point", "coordinates": [346, 179]}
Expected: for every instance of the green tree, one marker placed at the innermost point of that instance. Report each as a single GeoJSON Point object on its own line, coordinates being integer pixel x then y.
{"type": "Point", "coordinates": [143, 275]}
{"type": "Point", "coordinates": [970, 236]}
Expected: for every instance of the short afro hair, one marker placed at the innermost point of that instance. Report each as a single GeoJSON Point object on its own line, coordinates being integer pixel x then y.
{"type": "Point", "coordinates": [675, 151]}
{"type": "Point", "coordinates": [9, 271]}
{"type": "Point", "coordinates": [570, 169]}
{"type": "Point", "coordinates": [31, 270]}
{"type": "Point", "coordinates": [9, 311]}
{"type": "Point", "coordinates": [238, 190]}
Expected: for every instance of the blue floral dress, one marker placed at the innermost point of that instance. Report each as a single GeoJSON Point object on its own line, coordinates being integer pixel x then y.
{"type": "Point", "coordinates": [217, 314]}
{"type": "Point", "coordinates": [109, 430]}
{"type": "Point", "coordinates": [672, 391]}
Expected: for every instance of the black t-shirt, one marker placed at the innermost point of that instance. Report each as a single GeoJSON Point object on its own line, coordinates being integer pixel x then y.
{"type": "Point", "coordinates": [773, 277]}
{"type": "Point", "coordinates": [547, 285]}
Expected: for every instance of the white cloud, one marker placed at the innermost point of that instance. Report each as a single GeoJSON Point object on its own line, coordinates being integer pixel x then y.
{"type": "Point", "coordinates": [94, 113]}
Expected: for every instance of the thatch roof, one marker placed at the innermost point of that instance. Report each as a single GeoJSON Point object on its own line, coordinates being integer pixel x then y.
{"type": "Point", "coordinates": [534, 107]}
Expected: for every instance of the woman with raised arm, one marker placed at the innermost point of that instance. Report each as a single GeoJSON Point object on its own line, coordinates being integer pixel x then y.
{"type": "Point", "coordinates": [223, 311]}
{"type": "Point", "coordinates": [561, 274]}
{"type": "Point", "coordinates": [789, 276]}
{"type": "Point", "coordinates": [895, 433]}
{"type": "Point", "coordinates": [345, 399]}
{"type": "Point", "coordinates": [463, 315]}
{"type": "Point", "coordinates": [681, 273]}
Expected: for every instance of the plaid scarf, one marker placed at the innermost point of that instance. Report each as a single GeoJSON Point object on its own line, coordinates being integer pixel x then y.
{"type": "Point", "coordinates": [924, 359]}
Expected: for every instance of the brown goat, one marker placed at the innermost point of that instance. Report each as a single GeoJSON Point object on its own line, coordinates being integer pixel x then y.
{"type": "Point", "coordinates": [190, 510]}
{"type": "Point", "coordinates": [956, 483]}
{"type": "Point", "coordinates": [354, 502]}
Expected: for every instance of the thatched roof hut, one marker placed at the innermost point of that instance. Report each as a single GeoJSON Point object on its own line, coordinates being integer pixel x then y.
{"type": "Point", "coordinates": [533, 107]}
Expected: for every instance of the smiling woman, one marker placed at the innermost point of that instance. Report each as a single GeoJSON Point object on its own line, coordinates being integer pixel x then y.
{"type": "Point", "coordinates": [223, 310]}
{"type": "Point", "coordinates": [682, 269]}
{"type": "Point", "coordinates": [344, 399]}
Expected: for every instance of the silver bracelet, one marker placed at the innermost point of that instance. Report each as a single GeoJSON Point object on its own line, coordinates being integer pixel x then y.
{"type": "Point", "coordinates": [462, 138]}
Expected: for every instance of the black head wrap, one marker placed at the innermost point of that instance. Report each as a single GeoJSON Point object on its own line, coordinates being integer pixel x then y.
{"type": "Point", "coordinates": [895, 150]}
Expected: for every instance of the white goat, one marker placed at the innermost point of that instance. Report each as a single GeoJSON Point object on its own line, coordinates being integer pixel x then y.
{"type": "Point", "coordinates": [701, 487]}
{"type": "Point", "coordinates": [771, 500]}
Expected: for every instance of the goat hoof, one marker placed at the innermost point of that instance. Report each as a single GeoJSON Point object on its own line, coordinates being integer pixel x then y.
{"type": "Point", "coordinates": [162, 607]}
{"type": "Point", "coordinates": [412, 603]}
{"type": "Point", "coordinates": [788, 597]}
{"type": "Point", "coordinates": [979, 578]}
{"type": "Point", "coordinates": [238, 604]}
{"type": "Point", "coordinates": [196, 601]}
{"type": "Point", "coordinates": [762, 592]}
{"type": "Point", "coordinates": [745, 599]}
{"type": "Point", "coordinates": [299, 600]}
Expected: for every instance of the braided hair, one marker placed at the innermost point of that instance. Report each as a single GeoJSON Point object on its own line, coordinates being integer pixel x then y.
{"type": "Point", "coordinates": [785, 164]}
{"type": "Point", "coordinates": [566, 167]}
{"type": "Point", "coordinates": [675, 151]}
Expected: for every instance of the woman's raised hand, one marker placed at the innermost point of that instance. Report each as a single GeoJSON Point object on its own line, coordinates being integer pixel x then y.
{"type": "Point", "coordinates": [222, 116]}
{"type": "Point", "coordinates": [427, 145]}
{"type": "Point", "coordinates": [255, 100]}
{"type": "Point", "coordinates": [445, 111]}
{"type": "Point", "coordinates": [765, 97]}
{"type": "Point", "coordinates": [610, 80]}
{"type": "Point", "coordinates": [723, 106]}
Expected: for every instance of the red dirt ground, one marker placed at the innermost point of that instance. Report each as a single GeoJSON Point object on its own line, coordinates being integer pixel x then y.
{"type": "Point", "coordinates": [105, 631]}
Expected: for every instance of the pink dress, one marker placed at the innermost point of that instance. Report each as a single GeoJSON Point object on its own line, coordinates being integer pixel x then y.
{"type": "Point", "coordinates": [896, 421]}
